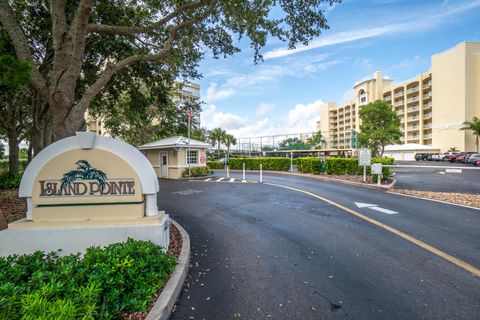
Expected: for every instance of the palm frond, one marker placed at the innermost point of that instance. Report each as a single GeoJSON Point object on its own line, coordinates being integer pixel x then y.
{"type": "Point", "coordinates": [70, 177]}
{"type": "Point", "coordinates": [99, 176]}
{"type": "Point", "coordinates": [83, 165]}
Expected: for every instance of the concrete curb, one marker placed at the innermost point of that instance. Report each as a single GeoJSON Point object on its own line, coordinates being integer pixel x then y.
{"type": "Point", "coordinates": [163, 306]}
{"type": "Point", "coordinates": [324, 178]}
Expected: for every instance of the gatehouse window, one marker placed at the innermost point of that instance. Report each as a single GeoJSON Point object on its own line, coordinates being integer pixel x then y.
{"type": "Point", "coordinates": [192, 156]}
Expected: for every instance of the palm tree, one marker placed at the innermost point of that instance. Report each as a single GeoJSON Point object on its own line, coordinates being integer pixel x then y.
{"type": "Point", "coordinates": [217, 135]}
{"type": "Point", "coordinates": [229, 140]}
{"type": "Point", "coordinates": [84, 172]}
{"type": "Point", "coordinates": [473, 125]}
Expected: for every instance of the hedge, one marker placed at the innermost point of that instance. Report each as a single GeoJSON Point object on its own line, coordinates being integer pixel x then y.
{"type": "Point", "coordinates": [341, 166]}
{"type": "Point", "coordinates": [196, 171]}
{"type": "Point", "coordinates": [4, 164]}
{"type": "Point", "coordinates": [106, 283]}
{"type": "Point", "coordinates": [274, 164]}
{"type": "Point", "coordinates": [215, 165]}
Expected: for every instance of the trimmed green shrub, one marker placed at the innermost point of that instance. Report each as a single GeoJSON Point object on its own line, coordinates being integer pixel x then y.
{"type": "Point", "coordinates": [107, 282]}
{"type": "Point", "coordinates": [215, 165]}
{"type": "Point", "coordinates": [196, 171]}
{"type": "Point", "coordinates": [274, 164]}
{"type": "Point", "coordinates": [341, 166]}
{"type": "Point", "coordinates": [310, 165]}
{"type": "Point", "coordinates": [10, 180]}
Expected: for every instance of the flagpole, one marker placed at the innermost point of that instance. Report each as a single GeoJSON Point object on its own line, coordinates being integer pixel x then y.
{"type": "Point", "coordinates": [188, 152]}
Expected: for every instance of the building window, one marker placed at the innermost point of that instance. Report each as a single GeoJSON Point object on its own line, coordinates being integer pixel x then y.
{"type": "Point", "coordinates": [192, 156]}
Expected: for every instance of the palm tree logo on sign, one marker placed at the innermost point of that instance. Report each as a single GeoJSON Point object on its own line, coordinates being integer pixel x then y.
{"type": "Point", "coordinates": [84, 172]}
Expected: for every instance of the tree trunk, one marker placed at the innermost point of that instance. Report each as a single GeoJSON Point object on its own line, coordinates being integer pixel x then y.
{"type": "Point", "coordinates": [13, 150]}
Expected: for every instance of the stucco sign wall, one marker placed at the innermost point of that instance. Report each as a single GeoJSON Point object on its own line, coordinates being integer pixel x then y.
{"type": "Point", "coordinates": [89, 177]}
{"type": "Point", "coordinates": [83, 191]}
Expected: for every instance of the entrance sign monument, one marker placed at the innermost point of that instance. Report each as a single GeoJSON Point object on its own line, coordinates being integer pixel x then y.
{"type": "Point", "coordinates": [86, 190]}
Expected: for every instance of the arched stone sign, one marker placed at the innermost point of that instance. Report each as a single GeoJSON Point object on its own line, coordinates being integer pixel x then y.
{"type": "Point", "coordinates": [87, 190]}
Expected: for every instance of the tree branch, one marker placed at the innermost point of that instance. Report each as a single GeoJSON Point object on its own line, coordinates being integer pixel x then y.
{"type": "Point", "coordinates": [111, 68]}
{"type": "Point", "coordinates": [59, 22]}
{"type": "Point", "coordinates": [77, 34]}
{"type": "Point", "coordinates": [130, 31]}
{"type": "Point", "coordinates": [20, 43]}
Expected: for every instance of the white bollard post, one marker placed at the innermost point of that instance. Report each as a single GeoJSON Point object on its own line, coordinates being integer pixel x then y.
{"type": "Point", "coordinates": [228, 171]}
{"type": "Point", "coordinates": [364, 173]}
{"type": "Point", "coordinates": [261, 173]}
{"type": "Point", "coordinates": [379, 179]}
{"type": "Point", "coordinates": [243, 173]}
{"type": "Point", "coordinates": [291, 162]}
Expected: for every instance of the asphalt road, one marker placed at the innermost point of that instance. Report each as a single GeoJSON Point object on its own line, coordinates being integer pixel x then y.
{"type": "Point", "coordinates": [265, 252]}
{"type": "Point", "coordinates": [429, 179]}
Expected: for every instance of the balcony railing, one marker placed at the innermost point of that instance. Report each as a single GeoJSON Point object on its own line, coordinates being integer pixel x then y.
{"type": "Point", "coordinates": [410, 119]}
{"type": "Point", "coordinates": [427, 116]}
{"type": "Point", "coordinates": [412, 89]}
{"type": "Point", "coordinates": [399, 102]}
{"type": "Point", "coordinates": [427, 95]}
{"type": "Point", "coordinates": [427, 136]}
{"type": "Point", "coordinates": [409, 110]}
{"type": "Point", "coordinates": [398, 94]}
{"type": "Point", "coordinates": [427, 105]}
{"type": "Point", "coordinates": [413, 99]}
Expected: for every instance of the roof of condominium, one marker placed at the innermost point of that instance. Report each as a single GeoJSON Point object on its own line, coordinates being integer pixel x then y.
{"type": "Point", "coordinates": [176, 142]}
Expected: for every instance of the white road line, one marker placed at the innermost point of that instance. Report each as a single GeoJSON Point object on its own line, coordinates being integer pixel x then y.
{"type": "Point", "coordinates": [232, 179]}
{"type": "Point", "coordinates": [244, 181]}
{"type": "Point", "coordinates": [220, 179]}
{"type": "Point", "coordinates": [208, 179]}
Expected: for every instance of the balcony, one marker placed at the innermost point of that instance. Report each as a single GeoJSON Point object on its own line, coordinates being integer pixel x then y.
{"type": "Point", "coordinates": [400, 112]}
{"type": "Point", "coordinates": [427, 136]}
{"type": "Point", "coordinates": [412, 128]}
{"type": "Point", "coordinates": [411, 90]}
{"type": "Point", "coordinates": [427, 105]}
{"type": "Point", "coordinates": [410, 110]}
{"type": "Point", "coordinates": [427, 95]}
{"type": "Point", "coordinates": [399, 94]}
{"type": "Point", "coordinates": [387, 98]}
{"type": "Point", "coordinates": [427, 126]}
{"type": "Point", "coordinates": [427, 116]}
{"type": "Point", "coordinates": [399, 103]}
{"type": "Point", "coordinates": [427, 85]}
{"type": "Point", "coordinates": [412, 119]}
{"type": "Point", "coordinates": [402, 120]}
{"type": "Point", "coordinates": [413, 99]}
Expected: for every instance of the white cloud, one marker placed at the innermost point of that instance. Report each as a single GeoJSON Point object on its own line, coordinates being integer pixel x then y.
{"type": "Point", "coordinates": [264, 75]}
{"type": "Point", "coordinates": [263, 109]}
{"type": "Point", "coordinates": [302, 118]}
{"type": "Point", "coordinates": [422, 22]}
{"type": "Point", "coordinates": [214, 94]}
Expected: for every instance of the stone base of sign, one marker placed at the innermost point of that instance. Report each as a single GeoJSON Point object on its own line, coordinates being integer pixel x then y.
{"type": "Point", "coordinates": [25, 237]}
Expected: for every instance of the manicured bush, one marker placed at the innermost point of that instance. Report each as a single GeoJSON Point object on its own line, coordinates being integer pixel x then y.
{"type": "Point", "coordinates": [310, 165]}
{"type": "Point", "coordinates": [215, 165]}
{"type": "Point", "coordinates": [196, 171]}
{"type": "Point", "coordinates": [104, 284]}
{"type": "Point", "coordinates": [274, 164]}
{"type": "Point", "coordinates": [341, 166]}
{"type": "Point", "coordinates": [10, 180]}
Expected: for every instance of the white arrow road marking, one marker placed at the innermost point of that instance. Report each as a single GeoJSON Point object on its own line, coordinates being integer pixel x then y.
{"type": "Point", "coordinates": [374, 207]}
{"type": "Point", "coordinates": [220, 179]}
{"type": "Point", "coordinates": [232, 179]}
{"type": "Point", "coordinates": [208, 179]}
{"type": "Point", "coordinates": [365, 205]}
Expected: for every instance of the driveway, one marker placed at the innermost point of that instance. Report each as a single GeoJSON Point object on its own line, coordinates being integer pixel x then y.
{"type": "Point", "coordinates": [262, 251]}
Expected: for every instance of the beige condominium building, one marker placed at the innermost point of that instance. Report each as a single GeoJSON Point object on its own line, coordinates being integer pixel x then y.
{"type": "Point", "coordinates": [431, 106]}
{"type": "Point", "coordinates": [184, 93]}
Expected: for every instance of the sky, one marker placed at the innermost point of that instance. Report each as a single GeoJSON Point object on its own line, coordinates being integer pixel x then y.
{"type": "Point", "coordinates": [284, 93]}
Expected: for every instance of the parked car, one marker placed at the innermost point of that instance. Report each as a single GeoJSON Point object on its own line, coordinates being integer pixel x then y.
{"type": "Point", "coordinates": [474, 157]}
{"type": "Point", "coordinates": [438, 156]}
{"type": "Point", "coordinates": [460, 158]}
{"type": "Point", "coordinates": [421, 156]}
{"type": "Point", "coordinates": [477, 163]}
{"type": "Point", "coordinates": [467, 156]}
{"type": "Point", "coordinates": [454, 156]}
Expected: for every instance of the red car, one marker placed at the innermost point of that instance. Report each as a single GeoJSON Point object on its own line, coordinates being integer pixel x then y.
{"type": "Point", "coordinates": [460, 158]}
{"type": "Point", "coordinates": [477, 163]}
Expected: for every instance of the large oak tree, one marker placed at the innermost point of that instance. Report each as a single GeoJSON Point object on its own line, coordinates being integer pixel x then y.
{"type": "Point", "coordinates": [81, 44]}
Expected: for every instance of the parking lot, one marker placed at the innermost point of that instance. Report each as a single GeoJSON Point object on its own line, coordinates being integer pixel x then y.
{"type": "Point", "coordinates": [437, 179]}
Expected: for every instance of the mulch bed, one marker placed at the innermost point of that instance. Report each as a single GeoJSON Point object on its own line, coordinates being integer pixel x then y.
{"type": "Point", "coordinates": [472, 200]}
{"type": "Point", "coordinates": [12, 206]}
